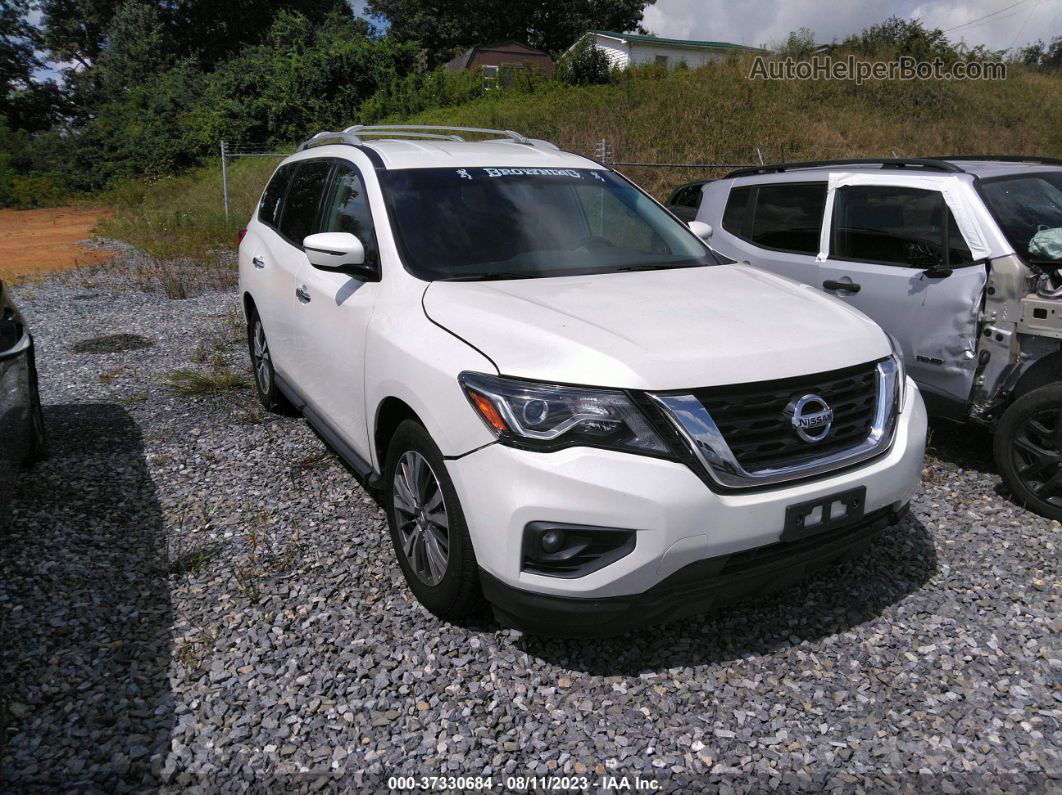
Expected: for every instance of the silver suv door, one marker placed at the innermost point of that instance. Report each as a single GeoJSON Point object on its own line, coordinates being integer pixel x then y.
{"type": "Point", "coordinates": [773, 226]}
{"type": "Point", "coordinates": [896, 253]}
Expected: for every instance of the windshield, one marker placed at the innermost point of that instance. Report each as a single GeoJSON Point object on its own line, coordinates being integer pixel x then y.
{"type": "Point", "coordinates": [1029, 209]}
{"type": "Point", "coordinates": [512, 223]}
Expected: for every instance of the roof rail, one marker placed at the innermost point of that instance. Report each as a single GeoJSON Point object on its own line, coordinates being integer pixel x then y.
{"type": "Point", "coordinates": [929, 164]}
{"type": "Point", "coordinates": [1050, 161]}
{"type": "Point", "coordinates": [353, 135]}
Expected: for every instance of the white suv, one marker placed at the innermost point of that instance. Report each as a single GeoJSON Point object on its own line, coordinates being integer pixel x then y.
{"type": "Point", "coordinates": [570, 406]}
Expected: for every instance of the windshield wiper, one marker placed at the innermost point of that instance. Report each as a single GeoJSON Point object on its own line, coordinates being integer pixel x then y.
{"type": "Point", "coordinates": [657, 267]}
{"type": "Point", "coordinates": [488, 277]}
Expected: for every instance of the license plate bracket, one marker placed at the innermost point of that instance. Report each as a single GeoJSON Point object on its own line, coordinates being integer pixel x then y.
{"type": "Point", "coordinates": [810, 518]}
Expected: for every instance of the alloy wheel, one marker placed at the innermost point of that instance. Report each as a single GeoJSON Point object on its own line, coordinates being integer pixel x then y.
{"type": "Point", "coordinates": [1038, 455]}
{"type": "Point", "coordinates": [420, 513]}
{"type": "Point", "coordinates": [262, 363]}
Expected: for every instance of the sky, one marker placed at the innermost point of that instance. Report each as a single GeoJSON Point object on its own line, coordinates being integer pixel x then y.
{"type": "Point", "coordinates": [1009, 23]}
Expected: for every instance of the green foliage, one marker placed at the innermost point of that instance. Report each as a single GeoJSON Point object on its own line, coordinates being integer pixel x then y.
{"type": "Point", "coordinates": [800, 44]}
{"type": "Point", "coordinates": [897, 36]}
{"type": "Point", "coordinates": [586, 65]}
{"type": "Point", "coordinates": [443, 28]}
{"type": "Point", "coordinates": [1041, 56]}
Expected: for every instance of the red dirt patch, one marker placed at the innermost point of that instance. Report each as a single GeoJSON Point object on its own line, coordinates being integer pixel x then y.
{"type": "Point", "coordinates": [39, 241]}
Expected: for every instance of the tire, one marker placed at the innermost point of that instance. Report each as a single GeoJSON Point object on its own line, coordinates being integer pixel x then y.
{"type": "Point", "coordinates": [265, 377]}
{"type": "Point", "coordinates": [415, 478]}
{"type": "Point", "coordinates": [1028, 450]}
{"type": "Point", "coordinates": [38, 450]}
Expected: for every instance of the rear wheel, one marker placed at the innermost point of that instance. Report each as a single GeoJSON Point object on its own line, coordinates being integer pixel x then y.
{"type": "Point", "coordinates": [1028, 450]}
{"type": "Point", "coordinates": [427, 526]}
{"type": "Point", "coordinates": [38, 437]}
{"type": "Point", "coordinates": [265, 379]}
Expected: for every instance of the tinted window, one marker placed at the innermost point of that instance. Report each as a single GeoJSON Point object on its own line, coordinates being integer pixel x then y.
{"type": "Point", "coordinates": [299, 212]}
{"type": "Point", "coordinates": [905, 226]}
{"type": "Point", "coordinates": [347, 209]}
{"type": "Point", "coordinates": [481, 223]}
{"type": "Point", "coordinates": [269, 210]}
{"type": "Point", "coordinates": [789, 217]}
{"type": "Point", "coordinates": [689, 196]}
{"type": "Point", "coordinates": [737, 211]}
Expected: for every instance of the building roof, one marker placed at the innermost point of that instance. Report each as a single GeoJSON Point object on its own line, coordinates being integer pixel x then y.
{"type": "Point", "coordinates": [637, 38]}
{"type": "Point", "coordinates": [464, 59]}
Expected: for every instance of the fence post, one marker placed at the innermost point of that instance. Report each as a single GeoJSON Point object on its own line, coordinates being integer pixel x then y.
{"type": "Point", "coordinates": [603, 152]}
{"type": "Point", "coordinates": [224, 180]}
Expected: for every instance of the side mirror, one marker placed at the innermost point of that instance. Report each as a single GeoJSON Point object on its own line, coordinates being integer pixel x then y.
{"type": "Point", "coordinates": [937, 272]}
{"type": "Point", "coordinates": [701, 229]}
{"type": "Point", "coordinates": [341, 252]}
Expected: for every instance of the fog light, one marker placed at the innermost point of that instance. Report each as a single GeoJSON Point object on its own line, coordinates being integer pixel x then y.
{"type": "Point", "coordinates": [552, 540]}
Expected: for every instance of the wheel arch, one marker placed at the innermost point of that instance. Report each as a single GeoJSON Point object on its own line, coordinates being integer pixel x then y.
{"type": "Point", "coordinates": [1042, 372]}
{"type": "Point", "coordinates": [390, 413]}
{"type": "Point", "coordinates": [248, 305]}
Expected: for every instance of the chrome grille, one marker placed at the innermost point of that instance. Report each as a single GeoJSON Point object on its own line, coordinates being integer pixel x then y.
{"type": "Point", "coordinates": [752, 420]}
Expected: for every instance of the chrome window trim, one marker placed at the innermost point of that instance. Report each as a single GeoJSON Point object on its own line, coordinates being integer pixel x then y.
{"type": "Point", "coordinates": [695, 424]}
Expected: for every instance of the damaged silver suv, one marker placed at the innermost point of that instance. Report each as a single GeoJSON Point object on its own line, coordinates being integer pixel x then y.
{"type": "Point", "coordinates": [958, 258]}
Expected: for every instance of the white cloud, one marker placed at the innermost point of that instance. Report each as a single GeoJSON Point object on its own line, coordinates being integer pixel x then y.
{"type": "Point", "coordinates": [768, 22]}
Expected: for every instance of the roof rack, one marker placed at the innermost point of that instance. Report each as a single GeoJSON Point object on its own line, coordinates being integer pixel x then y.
{"type": "Point", "coordinates": [1050, 161]}
{"type": "Point", "coordinates": [929, 164]}
{"type": "Point", "coordinates": [353, 135]}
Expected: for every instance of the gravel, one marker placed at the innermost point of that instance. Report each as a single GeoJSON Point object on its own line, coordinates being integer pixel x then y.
{"type": "Point", "coordinates": [194, 593]}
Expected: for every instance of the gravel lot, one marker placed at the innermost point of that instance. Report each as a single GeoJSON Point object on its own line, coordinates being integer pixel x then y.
{"type": "Point", "coordinates": [193, 593]}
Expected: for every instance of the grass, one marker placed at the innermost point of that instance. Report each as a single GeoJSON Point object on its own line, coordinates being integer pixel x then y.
{"type": "Point", "coordinates": [711, 114]}
{"type": "Point", "coordinates": [199, 382]}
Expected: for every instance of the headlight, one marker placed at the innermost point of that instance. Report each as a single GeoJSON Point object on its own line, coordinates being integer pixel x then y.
{"type": "Point", "coordinates": [901, 372]}
{"type": "Point", "coordinates": [549, 417]}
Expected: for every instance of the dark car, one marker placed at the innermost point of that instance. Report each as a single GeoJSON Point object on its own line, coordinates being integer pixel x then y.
{"type": "Point", "coordinates": [22, 437]}
{"type": "Point", "coordinates": [686, 199]}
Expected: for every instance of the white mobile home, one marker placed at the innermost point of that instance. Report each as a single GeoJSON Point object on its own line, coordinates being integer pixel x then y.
{"type": "Point", "coordinates": [632, 49]}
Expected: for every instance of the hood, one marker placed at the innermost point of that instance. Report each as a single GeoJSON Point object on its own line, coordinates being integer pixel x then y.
{"type": "Point", "coordinates": [657, 330]}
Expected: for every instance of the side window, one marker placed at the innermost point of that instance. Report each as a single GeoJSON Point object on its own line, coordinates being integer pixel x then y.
{"type": "Point", "coordinates": [299, 211]}
{"type": "Point", "coordinates": [269, 209]}
{"type": "Point", "coordinates": [690, 196]}
{"type": "Point", "coordinates": [784, 217]}
{"type": "Point", "coordinates": [910, 227]}
{"type": "Point", "coordinates": [736, 214]}
{"type": "Point", "coordinates": [789, 217]}
{"type": "Point", "coordinates": [347, 209]}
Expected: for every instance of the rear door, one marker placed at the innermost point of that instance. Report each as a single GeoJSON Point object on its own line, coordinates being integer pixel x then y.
{"type": "Point", "coordinates": [896, 253]}
{"type": "Point", "coordinates": [773, 226]}
{"type": "Point", "coordinates": [282, 257]}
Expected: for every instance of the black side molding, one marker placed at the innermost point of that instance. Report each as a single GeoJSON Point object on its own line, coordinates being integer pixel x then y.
{"type": "Point", "coordinates": [328, 433]}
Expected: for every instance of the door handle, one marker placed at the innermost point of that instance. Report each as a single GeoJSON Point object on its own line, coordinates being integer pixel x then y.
{"type": "Point", "coordinates": [258, 262]}
{"type": "Point", "coordinates": [851, 287]}
{"type": "Point", "coordinates": [302, 294]}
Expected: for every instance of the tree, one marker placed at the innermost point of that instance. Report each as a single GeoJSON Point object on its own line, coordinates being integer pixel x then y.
{"type": "Point", "coordinates": [799, 44]}
{"type": "Point", "coordinates": [445, 27]}
{"type": "Point", "coordinates": [896, 36]}
{"type": "Point", "coordinates": [585, 65]}
{"type": "Point", "coordinates": [17, 39]}
{"type": "Point", "coordinates": [1045, 57]}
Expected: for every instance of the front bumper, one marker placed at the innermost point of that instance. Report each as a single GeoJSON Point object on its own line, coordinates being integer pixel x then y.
{"type": "Point", "coordinates": [678, 520]}
{"type": "Point", "coordinates": [691, 590]}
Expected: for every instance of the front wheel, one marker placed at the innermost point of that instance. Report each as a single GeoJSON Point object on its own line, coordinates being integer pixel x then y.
{"type": "Point", "coordinates": [1028, 450]}
{"type": "Point", "coordinates": [427, 526]}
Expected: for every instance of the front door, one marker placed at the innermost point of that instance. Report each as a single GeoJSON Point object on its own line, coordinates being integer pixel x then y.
{"type": "Point", "coordinates": [333, 315]}
{"type": "Point", "coordinates": [896, 253]}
